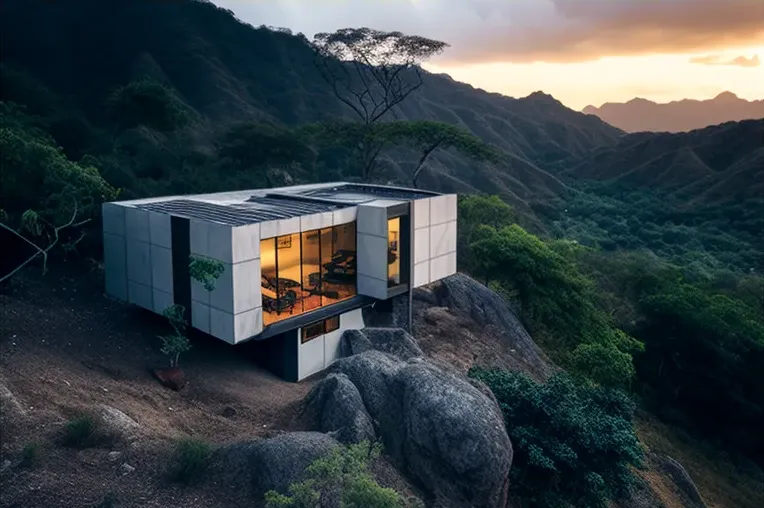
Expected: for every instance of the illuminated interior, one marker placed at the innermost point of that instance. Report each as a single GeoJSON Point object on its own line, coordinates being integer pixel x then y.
{"type": "Point", "coordinates": [393, 252]}
{"type": "Point", "coordinates": [304, 271]}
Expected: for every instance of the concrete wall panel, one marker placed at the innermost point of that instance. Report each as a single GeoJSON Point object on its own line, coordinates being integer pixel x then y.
{"type": "Point", "coordinates": [370, 286]}
{"type": "Point", "coordinates": [115, 266]}
{"type": "Point", "coordinates": [344, 215]}
{"type": "Point", "coordinates": [220, 242]}
{"type": "Point", "coordinates": [161, 269]}
{"type": "Point", "coordinates": [316, 221]}
{"type": "Point", "coordinates": [199, 233]}
{"type": "Point", "coordinates": [372, 220]}
{"type": "Point", "coordinates": [442, 267]}
{"type": "Point", "coordinates": [248, 324]}
{"type": "Point", "coordinates": [443, 209]}
{"type": "Point", "coordinates": [222, 296]}
{"type": "Point", "coordinates": [221, 325]}
{"type": "Point", "coordinates": [246, 286]}
{"type": "Point", "coordinates": [421, 213]}
{"type": "Point", "coordinates": [140, 295]}
{"type": "Point", "coordinates": [139, 262]}
{"type": "Point", "coordinates": [372, 256]}
{"type": "Point", "coordinates": [421, 274]}
{"type": "Point", "coordinates": [159, 229]}
{"type": "Point", "coordinates": [310, 357]}
{"type": "Point", "coordinates": [421, 245]}
{"type": "Point", "coordinates": [162, 301]}
{"type": "Point", "coordinates": [199, 293]}
{"type": "Point", "coordinates": [200, 316]}
{"type": "Point", "coordinates": [246, 243]}
{"type": "Point", "coordinates": [442, 239]}
{"type": "Point", "coordinates": [113, 219]}
{"type": "Point", "coordinates": [137, 224]}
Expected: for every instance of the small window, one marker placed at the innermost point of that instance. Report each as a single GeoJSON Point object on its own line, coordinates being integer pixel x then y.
{"type": "Point", "coordinates": [312, 331]}
{"type": "Point", "coordinates": [331, 324]}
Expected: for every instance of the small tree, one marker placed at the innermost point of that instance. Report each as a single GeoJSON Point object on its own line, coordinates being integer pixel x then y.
{"type": "Point", "coordinates": [176, 343]}
{"type": "Point", "coordinates": [342, 479]}
{"type": "Point", "coordinates": [206, 271]}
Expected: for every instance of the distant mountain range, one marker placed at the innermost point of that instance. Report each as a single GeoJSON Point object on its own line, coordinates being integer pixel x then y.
{"type": "Point", "coordinates": [639, 115]}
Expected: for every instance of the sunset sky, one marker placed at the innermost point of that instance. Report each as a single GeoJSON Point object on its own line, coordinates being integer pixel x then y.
{"type": "Point", "coordinates": [580, 51]}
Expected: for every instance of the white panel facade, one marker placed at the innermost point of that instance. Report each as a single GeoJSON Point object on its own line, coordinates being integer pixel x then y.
{"type": "Point", "coordinates": [372, 220]}
{"type": "Point", "coordinates": [221, 297]}
{"type": "Point", "coordinates": [138, 262]}
{"type": "Point", "coordinates": [248, 324]}
{"type": "Point", "coordinates": [316, 221]}
{"type": "Point", "coordinates": [320, 352]}
{"type": "Point", "coordinates": [198, 236]}
{"type": "Point", "coordinates": [344, 215]}
{"type": "Point", "coordinates": [115, 265]}
{"type": "Point", "coordinates": [113, 219]}
{"type": "Point", "coordinates": [137, 224]}
{"type": "Point", "coordinates": [220, 242]}
{"type": "Point", "coordinates": [370, 286]}
{"type": "Point", "coordinates": [221, 325]}
{"type": "Point", "coordinates": [200, 316]}
{"type": "Point", "coordinates": [246, 286]}
{"type": "Point", "coordinates": [443, 266]}
{"type": "Point", "coordinates": [434, 249]}
{"type": "Point", "coordinates": [246, 243]}
{"type": "Point", "coordinates": [140, 295]}
{"type": "Point", "coordinates": [161, 301]}
{"type": "Point", "coordinates": [161, 269]}
{"type": "Point", "coordinates": [160, 229]}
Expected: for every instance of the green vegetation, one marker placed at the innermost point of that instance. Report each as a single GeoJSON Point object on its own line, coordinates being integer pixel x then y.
{"type": "Point", "coordinates": [205, 271]}
{"type": "Point", "coordinates": [191, 459]}
{"type": "Point", "coordinates": [574, 444]}
{"type": "Point", "coordinates": [31, 454]}
{"type": "Point", "coordinates": [175, 343]}
{"type": "Point", "coordinates": [342, 478]}
{"type": "Point", "coordinates": [81, 432]}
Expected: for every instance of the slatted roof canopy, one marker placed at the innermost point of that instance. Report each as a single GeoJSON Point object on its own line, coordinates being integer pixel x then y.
{"type": "Point", "coordinates": [255, 209]}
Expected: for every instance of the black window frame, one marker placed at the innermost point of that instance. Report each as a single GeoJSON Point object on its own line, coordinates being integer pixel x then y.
{"type": "Point", "coordinates": [321, 327]}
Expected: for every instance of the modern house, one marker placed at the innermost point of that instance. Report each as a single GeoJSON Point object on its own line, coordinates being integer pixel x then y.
{"type": "Point", "coordinates": [299, 263]}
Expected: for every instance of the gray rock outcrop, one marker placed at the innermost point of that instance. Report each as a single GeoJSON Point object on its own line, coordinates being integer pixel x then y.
{"type": "Point", "coordinates": [439, 427]}
{"type": "Point", "coordinates": [388, 340]}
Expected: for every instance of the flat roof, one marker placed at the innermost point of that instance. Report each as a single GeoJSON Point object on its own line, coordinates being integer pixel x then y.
{"type": "Point", "coordinates": [240, 208]}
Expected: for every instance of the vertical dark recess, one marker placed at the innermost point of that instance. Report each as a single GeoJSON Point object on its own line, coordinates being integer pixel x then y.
{"type": "Point", "coordinates": [405, 249]}
{"type": "Point", "coordinates": [181, 252]}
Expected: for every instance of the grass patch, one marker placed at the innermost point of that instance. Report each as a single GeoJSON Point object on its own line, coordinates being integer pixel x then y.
{"type": "Point", "coordinates": [192, 457]}
{"type": "Point", "coordinates": [30, 454]}
{"type": "Point", "coordinates": [81, 431]}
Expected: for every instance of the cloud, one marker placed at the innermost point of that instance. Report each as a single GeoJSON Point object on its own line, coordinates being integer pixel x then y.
{"type": "Point", "coordinates": [485, 31]}
{"type": "Point", "coordinates": [740, 61]}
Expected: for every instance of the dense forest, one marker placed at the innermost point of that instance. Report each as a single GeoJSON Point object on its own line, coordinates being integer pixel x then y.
{"type": "Point", "coordinates": [635, 260]}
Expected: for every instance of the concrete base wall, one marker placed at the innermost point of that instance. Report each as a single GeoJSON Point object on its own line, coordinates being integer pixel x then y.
{"type": "Point", "coordinates": [320, 352]}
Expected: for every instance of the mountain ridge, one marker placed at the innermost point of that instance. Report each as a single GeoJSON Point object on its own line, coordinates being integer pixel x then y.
{"type": "Point", "coordinates": [640, 114]}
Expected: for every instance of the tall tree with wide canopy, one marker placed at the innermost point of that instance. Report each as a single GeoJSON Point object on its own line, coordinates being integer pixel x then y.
{"type": "Point", "coordinates": [371, 72]}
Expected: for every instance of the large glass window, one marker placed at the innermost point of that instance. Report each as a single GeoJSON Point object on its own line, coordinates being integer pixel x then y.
{"type": "Point", "coordinates": [393, 252]}
{"type": "Point", "coordinates": [301, 272]}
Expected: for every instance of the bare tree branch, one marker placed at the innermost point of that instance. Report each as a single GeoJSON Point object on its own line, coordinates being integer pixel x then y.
{"type": "Point", "coordinates": [40, 250]}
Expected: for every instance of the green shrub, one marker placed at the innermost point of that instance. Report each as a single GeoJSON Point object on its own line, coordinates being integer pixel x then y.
{"type": "Point", "coordinates": [574, 443]}
{"type": "Point", "coordinates": [30, 454]}
{"type": "Point", "coordinates": [343, 473]}
{"type": "Point", "coordinates": [192, 456]}
{"type": "Point", "coordinates": [81, 431]}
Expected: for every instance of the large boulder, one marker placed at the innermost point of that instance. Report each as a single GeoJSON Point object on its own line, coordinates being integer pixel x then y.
{"type": "Point", "coordinates": [335, 405]}
{"type": "Point", "coordinates": [275, 463]}
{"type": "Point", "coordinates": [440, 428]}
{"type": "Point", "coordinates": [388, 340]}
{"type": "Point", "coordinates": [462, 322]}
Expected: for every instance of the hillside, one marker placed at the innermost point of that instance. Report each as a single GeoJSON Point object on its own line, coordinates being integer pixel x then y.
{"type": "Point", "coordinates": [638, 115]}
{"type": "Point", "coordinates": [228, 71]}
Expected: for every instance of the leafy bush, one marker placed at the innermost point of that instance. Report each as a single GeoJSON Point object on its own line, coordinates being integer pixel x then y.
{"type": "Point", "coordinates": [205, 271]}
{"type": "Point", "coordinates": [574, 443]}
{"type": "Point", "coordinates": [30, 454]}
{"type": "Point", "coordinates": [81, 431]}
{"type": "Point", "coordinates": [557, 297]}
{"type": "Point", "coordinates": [342, 479]}
{"type": "Point", "coordinates": [192, 458]}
